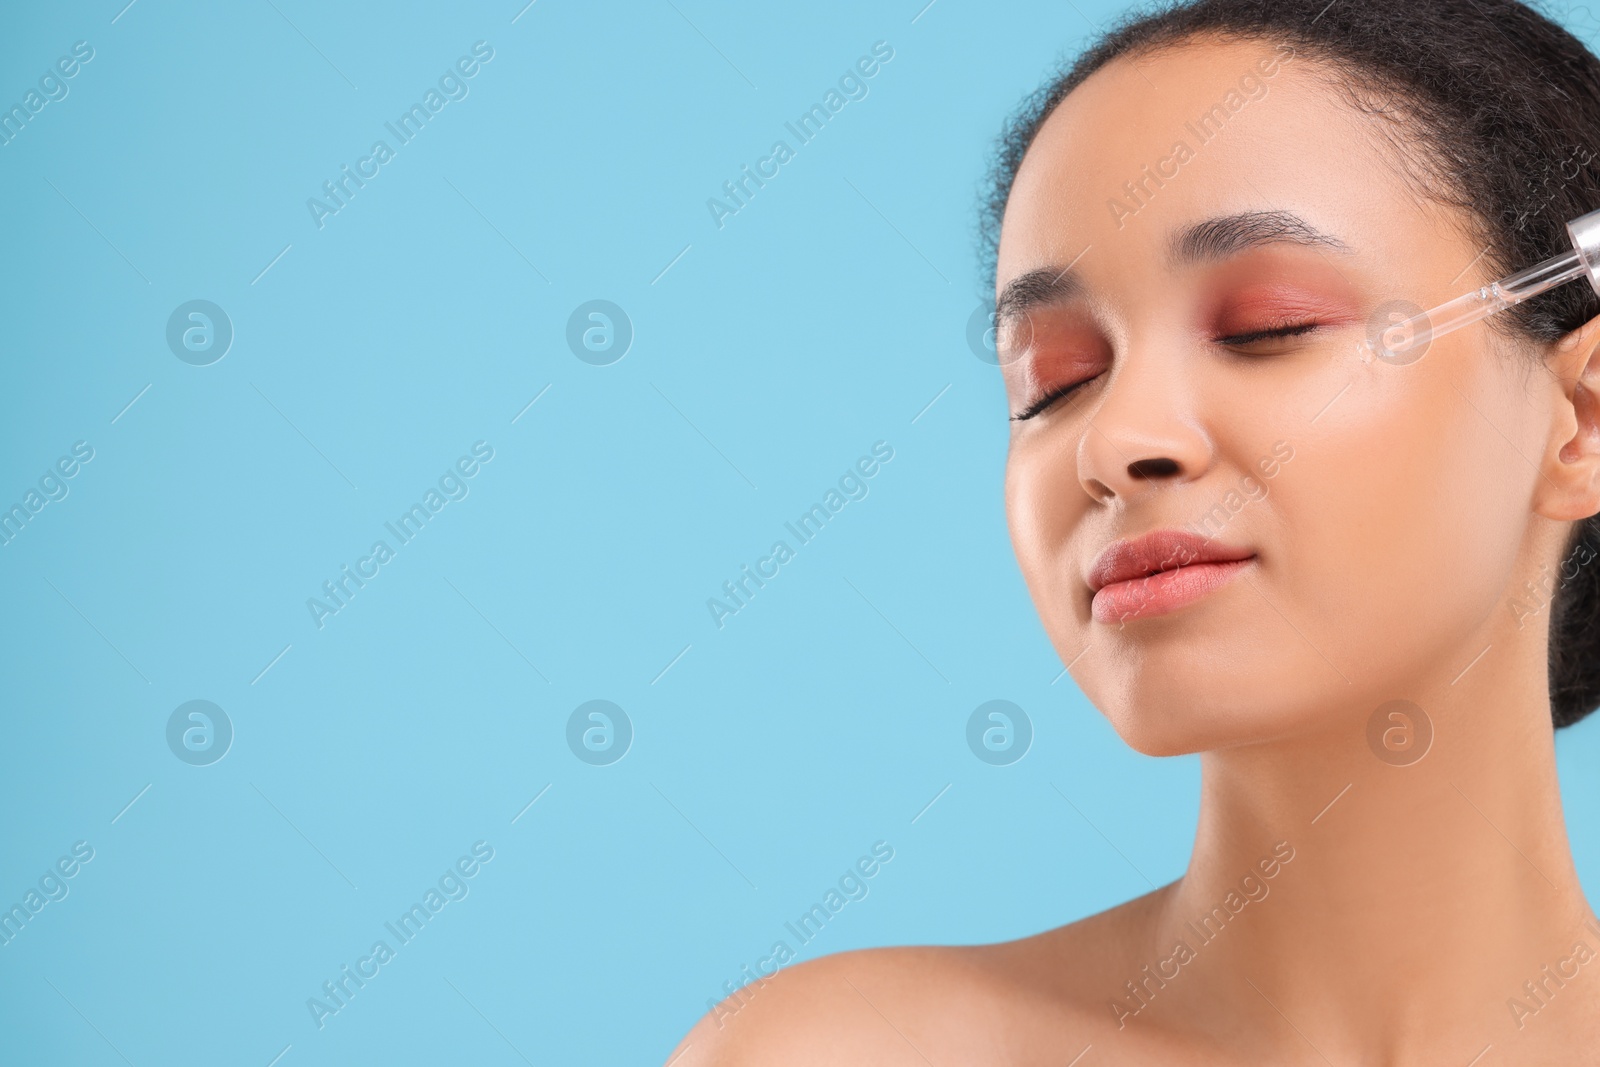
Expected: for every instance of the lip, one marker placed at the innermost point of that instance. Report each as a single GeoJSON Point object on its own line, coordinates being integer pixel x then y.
{"type": "Point", "coordinates": [1160, 572]}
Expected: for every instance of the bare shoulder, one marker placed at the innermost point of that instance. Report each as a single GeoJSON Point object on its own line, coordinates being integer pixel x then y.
{"type": "Point", "coordinates": [878, 1006]}
{"type": "Point", "coordinates": [1015, 1002]}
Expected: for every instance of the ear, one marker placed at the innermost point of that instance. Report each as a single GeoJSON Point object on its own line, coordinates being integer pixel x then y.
{"type": "Point", "coordinates": [1570, 487]}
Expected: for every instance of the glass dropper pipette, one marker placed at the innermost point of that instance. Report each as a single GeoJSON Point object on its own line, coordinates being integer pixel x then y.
{"type": "Point", "coordinates": [1407, 340]}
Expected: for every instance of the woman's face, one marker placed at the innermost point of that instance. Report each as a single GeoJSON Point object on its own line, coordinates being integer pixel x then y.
{"type": "Point", "coordinates": [1233, 232]}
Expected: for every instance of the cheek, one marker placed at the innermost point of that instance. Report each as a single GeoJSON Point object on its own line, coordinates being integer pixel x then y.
{"type": "Point", "coordinates": [1402, 513]}
{"type": "Point", "coordinates": [1044, 509]}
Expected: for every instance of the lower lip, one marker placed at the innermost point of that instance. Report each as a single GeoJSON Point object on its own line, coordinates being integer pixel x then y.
{"type": "Point", "coordinates": [1160, 593]}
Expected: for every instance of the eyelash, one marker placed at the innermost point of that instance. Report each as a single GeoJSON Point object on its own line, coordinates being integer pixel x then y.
{"type": "Point", "coordinates": [1239, 340]}
{"type": "Point", "coordinates": [1038, 406]}
{"type": "Point", "coordinates": [1288, 330]}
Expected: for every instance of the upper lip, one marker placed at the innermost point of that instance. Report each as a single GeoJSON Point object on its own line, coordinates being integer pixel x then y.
{"type": "Point", "coordinates": [1160, 550]}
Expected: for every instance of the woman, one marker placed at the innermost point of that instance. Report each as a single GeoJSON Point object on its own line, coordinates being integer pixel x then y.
{"type": "Point", "coordinates": [1365, 589]}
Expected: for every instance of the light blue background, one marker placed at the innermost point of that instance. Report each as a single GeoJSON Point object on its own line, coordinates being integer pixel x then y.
{"type": "Point", "coordinates": [825, 716]}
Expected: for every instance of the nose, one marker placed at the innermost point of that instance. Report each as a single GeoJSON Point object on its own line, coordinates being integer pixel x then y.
{"type": "Point", "coordinates": [1145, 434]}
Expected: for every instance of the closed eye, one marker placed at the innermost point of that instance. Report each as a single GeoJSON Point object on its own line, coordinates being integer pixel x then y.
{"type": "Point", "coordinates": [1045, 401]}
{"type": "Point", "coordinates": [1272, 334]}
{"type": "Point", "coordinates": [1243, 340]}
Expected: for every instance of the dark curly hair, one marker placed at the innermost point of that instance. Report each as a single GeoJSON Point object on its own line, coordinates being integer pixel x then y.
{"type": "Point", "coordinates": [1492, 105]}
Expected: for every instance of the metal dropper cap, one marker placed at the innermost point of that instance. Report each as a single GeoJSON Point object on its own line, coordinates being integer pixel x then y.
{"type": "Point", "coordinates": [1585, 233]}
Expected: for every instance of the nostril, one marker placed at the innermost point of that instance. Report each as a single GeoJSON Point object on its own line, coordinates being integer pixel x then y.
{"type": "Point", "coordinates": [1153, 468]}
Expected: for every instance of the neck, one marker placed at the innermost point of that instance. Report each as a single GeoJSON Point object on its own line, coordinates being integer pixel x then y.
{"type": "Point", "coordinates": [1451, 874]}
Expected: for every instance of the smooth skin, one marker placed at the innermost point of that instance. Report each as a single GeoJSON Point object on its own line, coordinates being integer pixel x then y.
{"type": "Point", "coordinates": [1391, 556]}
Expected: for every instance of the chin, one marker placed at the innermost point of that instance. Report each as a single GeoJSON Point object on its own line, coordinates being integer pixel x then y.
{"type": "Point", "coordinates": [1179, 710]}
{"type": "Point", "coordinates": [1171, 729]}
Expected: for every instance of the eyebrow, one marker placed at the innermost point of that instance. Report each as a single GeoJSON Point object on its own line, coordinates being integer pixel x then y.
{"type": "Point", "coordinates": [1206, 241]}
{"type": "Point", "coordinates": [1228, 235]}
